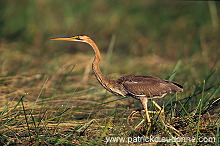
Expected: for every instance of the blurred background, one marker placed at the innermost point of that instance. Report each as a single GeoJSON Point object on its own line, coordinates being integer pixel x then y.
{"type": "Point", "coordinates": [141, 37]}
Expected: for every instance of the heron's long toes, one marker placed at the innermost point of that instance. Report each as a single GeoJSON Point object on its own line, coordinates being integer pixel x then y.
{"type": "Point", "coordinates": [130, 117]}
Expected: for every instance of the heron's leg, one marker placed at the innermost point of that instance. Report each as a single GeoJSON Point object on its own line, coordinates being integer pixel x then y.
{"type": "Point", "coordinates": [130, 117]}
{"type": "Point", "coordinates": [161, 110]}
{"type": "Point", "coordinates": [144, 103]}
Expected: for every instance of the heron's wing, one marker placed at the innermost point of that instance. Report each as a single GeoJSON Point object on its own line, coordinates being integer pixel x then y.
{"type": "Point", "coordinates": [149, 86]}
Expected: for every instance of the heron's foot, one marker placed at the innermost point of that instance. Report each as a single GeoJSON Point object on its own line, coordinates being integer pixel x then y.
{"type": "Point", "coordinates": [143, 121]}
{"type": "Point", "coordinates": [142, 113]}
{"type": "Point", "coordinates": [130, 117]}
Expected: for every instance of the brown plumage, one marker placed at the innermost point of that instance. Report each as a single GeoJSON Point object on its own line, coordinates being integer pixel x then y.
{"type": "Point", "coordinates": [137, 86]}
{"type": "Point", "coordinates": [148, 86]}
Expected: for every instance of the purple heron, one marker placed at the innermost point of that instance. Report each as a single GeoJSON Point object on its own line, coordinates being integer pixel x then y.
{"type": "Point", "coordinates": [139, 87]}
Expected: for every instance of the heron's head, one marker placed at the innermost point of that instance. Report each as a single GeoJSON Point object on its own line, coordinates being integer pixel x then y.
{"type": "Point", "coordinates": [78, 38]}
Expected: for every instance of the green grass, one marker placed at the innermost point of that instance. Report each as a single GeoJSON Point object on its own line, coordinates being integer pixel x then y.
{"type": "Point", "coordinates": [49, 95]}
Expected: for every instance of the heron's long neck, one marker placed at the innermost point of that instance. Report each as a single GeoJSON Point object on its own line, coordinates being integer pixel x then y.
{"type": "Point", "coordinates": [103, 80]}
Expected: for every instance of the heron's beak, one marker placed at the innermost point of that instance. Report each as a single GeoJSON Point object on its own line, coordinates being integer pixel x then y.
{"type": "Point", "coordinates": [66, 39]}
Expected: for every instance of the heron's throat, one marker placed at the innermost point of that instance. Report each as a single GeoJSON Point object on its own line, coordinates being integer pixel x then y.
{"type": "Point", "coordinates": [103, 80]}
{"type": "Point", "coordinates": [108, 84]}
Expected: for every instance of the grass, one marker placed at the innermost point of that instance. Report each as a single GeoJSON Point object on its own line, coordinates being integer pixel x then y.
{"type": "Point", "coordinates": [61, 109]}
{"type": "Point", "coordinates": [49, 95]}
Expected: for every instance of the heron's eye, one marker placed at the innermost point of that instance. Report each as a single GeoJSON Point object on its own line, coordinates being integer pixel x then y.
{"type": "Point", "coordinates": [78, 38]}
